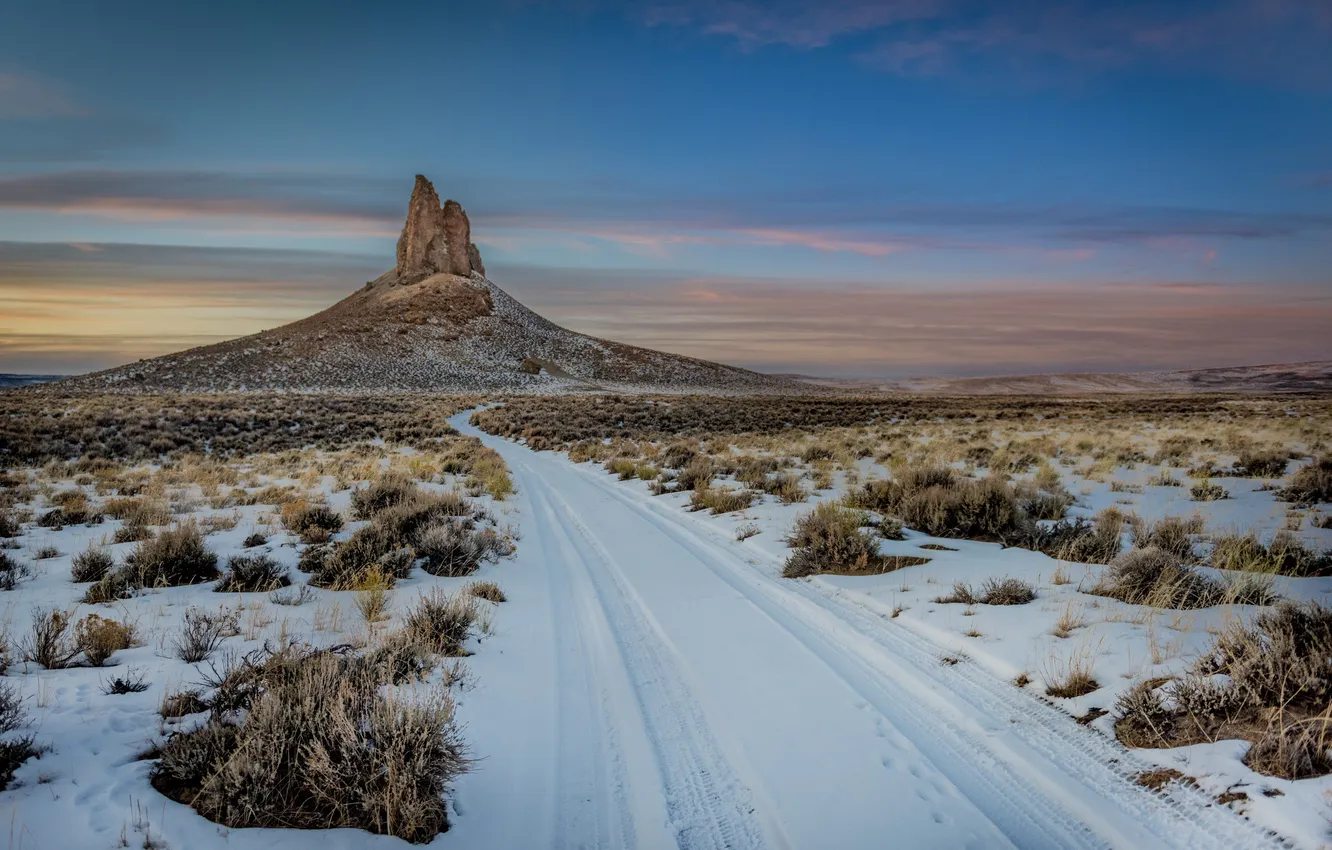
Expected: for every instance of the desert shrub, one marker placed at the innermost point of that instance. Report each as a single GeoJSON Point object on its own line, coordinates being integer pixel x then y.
{"type": "Point", "coordinates": [100, 638]}
{"type": "Point", "coordinates": [1285, 554]}
{"type": "Point", "coordinates": [293, 598]}
{"type": "Point", "coordinates": [384, 492]}
{"type": "Point", "coordinates": [13, 751]}
{"type": "Point", "coordinates": [374, 591]}
{"type": "Point", "coordinates": [1144, 719]}
{"type": "Point", "coordinates": [624, 467]}
{"type": "Point", "coordinates": [12, 715]}
{"type": "Point", "coordinates": [994, 591]}
{"type": "Point", "coordinates": [696, 475]}
{"type": "Point", "coordinates": [9, 525]}
{"type": "Point", "coordinates": [678, 455]}
{"type": "Point", "coordinates": [720, 500]}
{"type": "Point", "coordinates": [491, 474]}
{"type": "Point", "coordinates": [254, 540]}
{"type": "Point", "coordinates": [1152, 576]}
{"type": "Point", "coordinates": [319, 744]}
{"type": "Point", "coordinates": [131, 533]}
{"type": "Point", "coordinates": [253, 574]}
{"type": "Point", "coordinates": [202, 633]}
{"type": "Point", "coordinates": [754, 471]}
{"type": "Point", "coordinates": [458, 548]}
{"type": "Point", "coordinates": [12, 571]}
{"type": "Point", "coordinates": [174, 557]}
{"type": "Point", "coordinates": [74, 512]}
{"type": "Point", "coordinates": [1170, 534]}
{"type": "Point", "coordinates": [828, 539]}
{"type": "Point", "coordinates": [1262, 464]}
{"type": "Point", "coordinates": [1006, 591]}
{"type": "Point", "coordinates": [785, 486]}
{"type": "Point", "coordinates": [129, 682]}
{"type": "Point", "coordinates": [1077, 540]}
{"type": "Point", "coordinates": [1268, 682]}
{"type": "Point", "coordinates": [962, 594]}
{"type": "Point", "coordinates": [183, 703]}
{"type": "Point", "coordinates": [984, 509]}
{"type": "Point", "coordinates": [44, 553]}
{"type": "Point", "coordinates": [1282, 658]}
{"type": "Point", "coordinates": [1038, 504]}
{"type": "Point", "coordinates": [1074, 680]}
{"type": "Point", "coordinates": [1175, 449]}
{"type": "Point", "coordinates": [399, 533]}
{"type": "Point", "coordinates": [113, 586]}
{"type": "Point", "coordinates": [370, 548]}
{"type": "Point", "coordinates": [92, 564]}
{"type": "Point", "coordinates": [442, 622]}
{"type": "Point", "coordinates": [937, 501]}
{"type": "Point", "coordinates": [890, 528]}
{"type": "Point", "coordinates": [1208, 492]}
{"type": "Point", "coordinates": [1310, 484]}
{"type": "Point", "coordinates": [49, 643]}
{"type": "Point", "coordinates": [137, 511]}
{"type": "Point", "coordinates": [404, 520]}
{"type": "Point", "coordinates": [311, 523]}
{"type": "Point", "coordinates": [1292, 751]}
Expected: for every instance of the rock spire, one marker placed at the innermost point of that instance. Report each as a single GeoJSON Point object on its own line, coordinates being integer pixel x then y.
{"type": "Point", "coordinates": [436, 239]}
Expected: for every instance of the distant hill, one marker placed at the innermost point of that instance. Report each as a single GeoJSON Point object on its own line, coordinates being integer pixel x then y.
{"type": "Point", "coordinates": [432, 323]}
{"type": "Point", "coordinates": [1272, 378]}
{"type": "Point", "coordinates": [8, 381]}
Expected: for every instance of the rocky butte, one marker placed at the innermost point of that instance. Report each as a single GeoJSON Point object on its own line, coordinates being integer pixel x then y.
{"type": "Point", "coordinates": [431, 323]}
{"type": "Point", "coordinates": [436, 239]}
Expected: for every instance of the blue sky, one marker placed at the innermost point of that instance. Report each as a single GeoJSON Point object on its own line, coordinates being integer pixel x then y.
{"type": "Point", "coordinates": [845, 187]}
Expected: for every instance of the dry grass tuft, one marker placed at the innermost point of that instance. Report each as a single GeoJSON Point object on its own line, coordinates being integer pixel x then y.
{"type": "Point", "coordinates": [487, 590]}
{"type": "Point", "coordinates": [994, 591]}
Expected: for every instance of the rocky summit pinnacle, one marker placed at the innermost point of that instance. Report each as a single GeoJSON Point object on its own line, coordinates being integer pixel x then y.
{"type": "Point", "coordinates": [436, 239]}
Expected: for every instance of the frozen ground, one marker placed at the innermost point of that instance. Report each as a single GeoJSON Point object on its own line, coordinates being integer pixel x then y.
{"type": "Point", "coordinates": [707, 702]}
{"type": "Point", "coordinates": [821, 720]}
{"type": "Point", "coordinates": [652, 682]}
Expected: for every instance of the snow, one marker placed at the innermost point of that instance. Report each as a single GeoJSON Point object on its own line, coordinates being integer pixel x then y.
{"type": "Point", "coordinates": [818, 721]}
{"type": "Point", "coordinates": [652, 682]}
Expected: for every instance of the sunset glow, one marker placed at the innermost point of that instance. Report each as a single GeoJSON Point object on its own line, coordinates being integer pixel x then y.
{"type": "Point", "coordinates": [851, 187]}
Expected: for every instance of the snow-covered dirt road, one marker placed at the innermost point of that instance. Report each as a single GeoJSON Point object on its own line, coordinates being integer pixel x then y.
{"type": "Point", "coordinates": [658, 685]}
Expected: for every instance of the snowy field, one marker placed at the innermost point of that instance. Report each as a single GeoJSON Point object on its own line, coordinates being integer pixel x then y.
{"type": "Point", "coordinates": [652, 679]}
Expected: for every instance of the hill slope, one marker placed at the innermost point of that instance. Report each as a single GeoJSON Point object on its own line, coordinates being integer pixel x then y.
{"type": "Point", "coordinates": [432, 323]}
{"type": "Point", "coordinates": [1271, 378]}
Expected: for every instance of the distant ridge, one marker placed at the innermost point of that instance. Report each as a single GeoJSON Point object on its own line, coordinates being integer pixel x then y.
{"type": "Point", "coordinates": [8, 380]}
{"type": "Point", "coordinates": [432, 323]}
{"type": "Point", "coordinates": [1310, 376]}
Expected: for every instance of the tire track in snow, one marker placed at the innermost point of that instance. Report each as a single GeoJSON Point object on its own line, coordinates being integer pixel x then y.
{"type": "Point", "coordinates": [589, 770]}
{"type": "Point", "coordinates": [1050, 789]}
{"type": "Point", "coordinates": [708, 806]}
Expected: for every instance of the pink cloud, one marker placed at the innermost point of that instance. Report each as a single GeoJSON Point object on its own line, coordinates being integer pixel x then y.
{"type": "Point", "coordinates": [174, 210]}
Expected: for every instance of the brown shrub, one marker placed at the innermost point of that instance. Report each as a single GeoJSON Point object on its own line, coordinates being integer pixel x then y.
{"type": "Point", "coordinates": [319, 744]}
{"type": "Point", "coordinates": [100, 638]}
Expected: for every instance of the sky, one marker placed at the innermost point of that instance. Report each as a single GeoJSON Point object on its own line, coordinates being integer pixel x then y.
{"type": "Point", "coordinates": [845, 187]}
